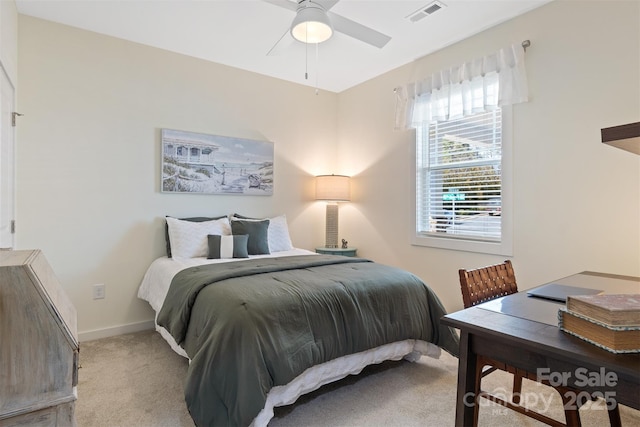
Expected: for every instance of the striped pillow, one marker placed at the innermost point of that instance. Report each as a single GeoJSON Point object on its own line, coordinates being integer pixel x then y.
{"type": "Point", "coordinates": [221, 247]}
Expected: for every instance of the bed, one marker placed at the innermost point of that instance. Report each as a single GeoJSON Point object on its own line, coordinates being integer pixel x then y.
{"type": "Point", "coordinates": [260, 329]}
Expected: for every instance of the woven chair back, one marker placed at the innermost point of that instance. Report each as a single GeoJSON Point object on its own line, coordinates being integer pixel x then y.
{"type": "Point", "coordinates": [487, 283]}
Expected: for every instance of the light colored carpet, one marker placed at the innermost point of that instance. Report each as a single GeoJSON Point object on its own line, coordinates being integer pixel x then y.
{"type": "Point", "coordinates": [136, 380]}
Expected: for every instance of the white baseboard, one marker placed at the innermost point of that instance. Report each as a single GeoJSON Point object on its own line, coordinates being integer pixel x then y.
{"type": "Point", "coordinates": [115, 330]}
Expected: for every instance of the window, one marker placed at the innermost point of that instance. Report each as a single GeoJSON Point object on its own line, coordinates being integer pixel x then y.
{"type": "Point", "coordinates": [462, 176]}
{"type": "Point", "coordinates": [462, 169]}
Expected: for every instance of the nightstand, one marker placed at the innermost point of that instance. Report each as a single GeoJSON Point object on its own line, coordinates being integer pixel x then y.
{"type": "Point", "coordinates": [337, 251]}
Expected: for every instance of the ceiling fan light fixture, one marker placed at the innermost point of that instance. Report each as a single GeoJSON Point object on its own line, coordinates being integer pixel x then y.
{"type": "Point", "coordinates": [311, 24]}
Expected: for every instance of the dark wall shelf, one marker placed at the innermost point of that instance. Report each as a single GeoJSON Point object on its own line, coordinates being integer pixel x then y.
{"type": "Point", "coordinates": [626, 137]}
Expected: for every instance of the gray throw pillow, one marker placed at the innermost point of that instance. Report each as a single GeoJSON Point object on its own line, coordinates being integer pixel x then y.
{"type": "Point", "coordinates": [258, 232]}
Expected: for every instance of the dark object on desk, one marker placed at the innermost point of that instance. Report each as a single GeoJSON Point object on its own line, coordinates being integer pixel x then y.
{"type": "Point", "coordinates": [556, 292]}
{"type": "Point", "coordinates": [616, 339]}
{"type": "Point", "coordinates": [488, 283]}
{"type": "Point", "coordinates": [612, 309]}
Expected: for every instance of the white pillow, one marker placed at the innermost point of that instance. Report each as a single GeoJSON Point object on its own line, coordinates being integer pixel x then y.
{"type": "Point", "coordinates": [279, 239]}
{"type": "Point", "coordinates": [189, 239]}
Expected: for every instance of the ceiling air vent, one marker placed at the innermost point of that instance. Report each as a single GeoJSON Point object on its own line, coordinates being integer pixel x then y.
{"type": "Point", "coordinates": [425, 11]}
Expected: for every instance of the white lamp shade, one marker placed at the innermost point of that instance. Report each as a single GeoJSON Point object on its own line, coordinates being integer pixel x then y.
{"type": "Point", "coordinates": [336, 188]}
{"type": "Point", "coordinates": [311, 24]}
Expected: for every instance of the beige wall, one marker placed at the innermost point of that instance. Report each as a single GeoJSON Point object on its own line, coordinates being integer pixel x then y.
{"type": "Point", "coordinates": [577, 201]}
{"type": "Point", "coordinates": [89, 156]}
{"type": "Point", "coordinates": [89, 153]}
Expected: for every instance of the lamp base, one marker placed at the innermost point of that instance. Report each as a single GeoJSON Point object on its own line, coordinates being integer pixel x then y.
{"type": "Point", "coordinates": [331, 227]}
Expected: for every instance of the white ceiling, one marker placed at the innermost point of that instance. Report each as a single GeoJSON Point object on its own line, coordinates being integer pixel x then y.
{"type": "Point", "coordinates": [239, 33]}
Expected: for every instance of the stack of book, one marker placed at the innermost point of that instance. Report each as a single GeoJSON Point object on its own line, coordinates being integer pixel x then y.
{"type": "Point", "coordinates": [610, 321]}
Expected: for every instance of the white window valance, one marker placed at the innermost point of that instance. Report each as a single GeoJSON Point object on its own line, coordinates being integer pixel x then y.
{"type": "Point", "coordinates": [476, 86]}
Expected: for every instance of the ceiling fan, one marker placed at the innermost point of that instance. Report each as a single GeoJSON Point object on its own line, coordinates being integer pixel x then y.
{"type": "Point", "coordinates": [320, 9]}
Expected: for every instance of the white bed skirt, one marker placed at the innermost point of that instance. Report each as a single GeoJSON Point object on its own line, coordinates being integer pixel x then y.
{"type": "Point", "coordinates": [328, 372]}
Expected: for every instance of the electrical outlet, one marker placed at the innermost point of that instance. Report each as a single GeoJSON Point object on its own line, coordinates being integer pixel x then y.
{"type": "Point", "coordinates": [98, 291]}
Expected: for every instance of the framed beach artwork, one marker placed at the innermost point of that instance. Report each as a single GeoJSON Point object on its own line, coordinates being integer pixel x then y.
{"type": "Point", "coordinates": [211, 164]}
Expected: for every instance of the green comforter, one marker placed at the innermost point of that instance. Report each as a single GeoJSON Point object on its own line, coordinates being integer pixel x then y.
{"type": "Point", "coordinates": [251, 325]}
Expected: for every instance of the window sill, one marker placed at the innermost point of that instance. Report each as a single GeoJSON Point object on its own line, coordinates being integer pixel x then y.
{"type": "Point", "coordinates": [494, 248]}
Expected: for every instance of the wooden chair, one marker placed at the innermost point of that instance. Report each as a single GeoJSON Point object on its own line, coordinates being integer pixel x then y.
{"type": "Point", "coordinates": [495, 281]}
{"type": "Point", "coordinates": [487, 283]}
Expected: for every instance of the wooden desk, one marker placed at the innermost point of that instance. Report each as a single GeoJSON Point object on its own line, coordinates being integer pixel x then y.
{"type": "Point", "coordinates": [38, 344]}
{"type": "Point", "coordinates": [522, 331]}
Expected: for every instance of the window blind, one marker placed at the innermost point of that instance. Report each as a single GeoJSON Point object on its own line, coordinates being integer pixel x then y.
{"type": "Point", "coordinates": [459, 179]}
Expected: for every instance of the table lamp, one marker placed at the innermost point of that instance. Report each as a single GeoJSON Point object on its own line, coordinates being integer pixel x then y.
{"type": "Point", "coordinates": [333, 189]}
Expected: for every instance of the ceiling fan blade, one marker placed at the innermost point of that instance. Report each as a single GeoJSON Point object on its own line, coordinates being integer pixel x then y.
{"type": "Point", "coordinates": [291, 5]}
{"type": "Point", "coordinates": [284, 3]}
{"type": "Point", "coordinates": [283, 43]}
{"type": "Point", "coordinates": [326, 4]}
{"type": "Point", "coordinates": [358, 31]}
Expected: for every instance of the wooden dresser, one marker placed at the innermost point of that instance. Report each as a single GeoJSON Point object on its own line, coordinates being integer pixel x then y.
{"type": "Point", "coordinates": [38, 344]}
